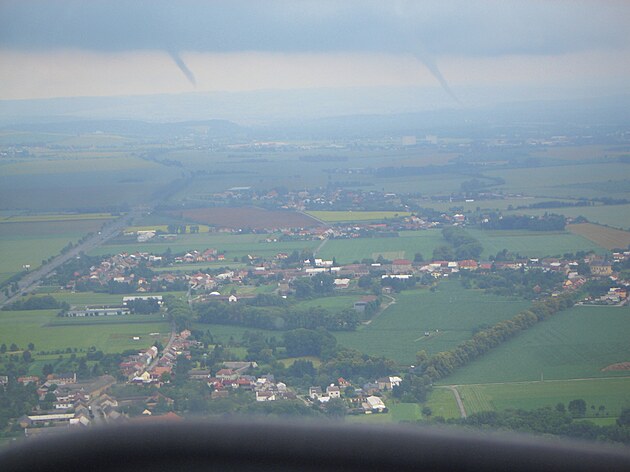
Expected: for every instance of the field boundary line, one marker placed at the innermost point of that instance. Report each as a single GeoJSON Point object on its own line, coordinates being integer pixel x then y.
{"type": "Point", "coordinates": [528, 382]}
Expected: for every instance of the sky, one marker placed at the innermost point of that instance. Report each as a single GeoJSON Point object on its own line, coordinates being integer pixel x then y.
{"type": "Point", "coordinates": [98, 48]}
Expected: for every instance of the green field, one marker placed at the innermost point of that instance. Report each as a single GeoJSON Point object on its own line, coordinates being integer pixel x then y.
{"type": "Point", "coordinates": [335, 303]}
{"type": "Point", "coordinates": [442, 403]}
{"type": "Point", "coordinates": [405, 246]}
{"type": "Point", "coordinates": [617, 216]}
{"type": "Point", "coordinates": [78, 182]}
{"type": "Point", "coordinates": [398, 332]}
{"type": "Point", "coordinates": [587, 180]}
{"type": "Point", "coordinates": [55, 217]}
{"type": "Point", "coordinates": [397, 412]}
{"type": "Point", "coordinates": [533, 243]}
{"type": "Point", "coordinates": [23, 327]}
{"type": "Point", "coordinates": [577, 343]}
{"type": "Point", "coordinates": [234, 245]}
{"type": "Point", "coordinates": [32, 242]}
{"type": "Point", "coordinates": [336, 216]}
{"type": "Point", "coordinates": [614, 394]}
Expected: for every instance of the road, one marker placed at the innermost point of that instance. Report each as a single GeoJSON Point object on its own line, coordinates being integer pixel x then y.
{"type": "Point", "coordinates": [458, 399]}
{"type": "Point", "coordinates": [166, 348]}
{"type": "Point", "coordinates": [109, 231]}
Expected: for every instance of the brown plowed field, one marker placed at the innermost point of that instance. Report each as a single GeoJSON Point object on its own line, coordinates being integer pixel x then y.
{"type": "Point", "coordinates": [248, 217]}
{"type": "Point", "coordinates": [609, 238]}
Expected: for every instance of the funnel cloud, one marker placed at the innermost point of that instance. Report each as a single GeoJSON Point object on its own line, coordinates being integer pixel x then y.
{"type": "Point", "coordinates": [183, 67]}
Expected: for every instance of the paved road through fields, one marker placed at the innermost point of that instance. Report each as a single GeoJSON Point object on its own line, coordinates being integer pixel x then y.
{"type": "Point", "coordinates": [109, 231]}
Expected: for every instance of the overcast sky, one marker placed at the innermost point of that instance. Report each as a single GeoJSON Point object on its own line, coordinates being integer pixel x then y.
{"type": "Point", "coordinates": [101, 48]}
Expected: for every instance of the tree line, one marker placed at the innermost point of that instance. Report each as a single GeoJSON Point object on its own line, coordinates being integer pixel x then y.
{"type": "Point", "coordinates": [444, 363]}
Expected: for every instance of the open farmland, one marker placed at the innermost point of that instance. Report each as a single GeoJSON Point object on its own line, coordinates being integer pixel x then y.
{"type": "Point", "coordinates": [405, 246]}
{"type": "Point", "coordinates": [587, 180]}
{"type": "Point", "coordinates": [613, 394]}
{"type": "Point", "coordinates": [398, 332]}
{"type": "Point", "coordinates": [38, 327]}
{"type": "Point", "coordinates": [236, 245]}
{"type": "Point", "coordinates": [80, 183]}
{"type": "Point", "coordinates": [610, 238]}
{"type": "Point", "coordinates": [337, 216]}
{"type": "Point", "coordinates": [577, 343]}
{"type": "Point", "coordinates": [532, 243]}
{"type": "Point", "coordinates": [32, 242]}
{"type": "Point", "coordinates": [617, 216]}
{"type": "Point", "coordinates": [248, 217]}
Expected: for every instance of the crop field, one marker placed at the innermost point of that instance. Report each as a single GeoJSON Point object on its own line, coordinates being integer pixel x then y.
{"type": "Point", "coordinates": [48, 217]}
{"type": "Point", "coordinates": [586, 180]}
{"type": "Point", "coordinates": [237, 245]}
{"type": "Point", "coordinates": [335, 303]}
{"type": "Point", "coordinates": [163, 228]}
{"type": "Point", "coordinates": [406, 245]}
{"type": "Point", "coordinates": [617, 216]}
{"type": "Point", "coordinates": [577, 343]}
{"type": "Point", "coordinates": [496, 204]}
{"type": "Point", "coordinates": [613, 394]}
{"type": "Point", "coordinates": [23, 327]}
{"type": "Point", "coordinates": [610, 238]}
{"type": "Point", "coordinates": [248, 217]}
{"type": "Point", "coordinates": [448, 314]}
{"type": "Point", "coordinates": [93, 298]}
{"type": "Point", "coordinates": [337, 216]}
{"type": "Point", "coordinates": [442, 403]}
{"type": "Point", "coordinates": [397, 412]}
{"type": "Point", "coordinates": [30, 243]}
{"type": "Point", "coordinates": [533, 243]}
{"type": "Point", "coordinates": [78, 182]}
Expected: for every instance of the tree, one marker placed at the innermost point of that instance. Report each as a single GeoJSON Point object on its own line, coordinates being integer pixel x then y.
{"type": "Point", "coordinates": [577, 408]}
{"type": "Point", "coordinates": [426, 411]}
{"type": "Point", "coordinates": [13, 347]}
{"type": "Point", "coordinates": [418, 257]}
{"type": "Point", "coordinates": [624, 417]}
{"type": "Point", "coordinates": [3, 348]}
{"type": "Point", "coordinates": [26, 356]}
{"type": "Point", "coordinates": [31, 346]}
{"type": "Point", "coordinates": [335, 408]}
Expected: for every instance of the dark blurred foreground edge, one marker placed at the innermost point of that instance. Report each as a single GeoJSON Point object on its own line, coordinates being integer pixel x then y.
{"type": "Point", "coordinates": [274, 445]}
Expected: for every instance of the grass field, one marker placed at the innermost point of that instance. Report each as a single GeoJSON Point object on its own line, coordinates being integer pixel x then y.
{"type": "Point", "coordinates": [442, 403]}
{"type": "Point", "coordinates": [397, 412]}
{"type": "Point", "coordinates": [336, 303]}
{"type": "Point", "coordinates": [586, 180]}
{"type": "Point", "coordinates": [32, 242]}
{"type": "Point", "coordinates": [617, 216]}
{"type": "Point", "coordinates": [614, 394]}
{"type": "Point", "coordinates": [235, 245]}
{"type": "Point", "coordinates": [577, 343]}
{"type": "Point", "coordinates": [398, 332]}
{"type": "Point", "coordinates": [336, 216]}
{"type": "Point", "coordinates": [47, 217]}
{"type": "Point", "coordinates": [23, 327]}
{"type": "Point", "coordinates": [533, 243]}
{"type": "Point", "coordinates": [610, 238]}
{"type": "Point", "coordinates": [405, 246]}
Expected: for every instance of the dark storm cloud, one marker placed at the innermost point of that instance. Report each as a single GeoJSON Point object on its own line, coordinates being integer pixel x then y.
{"type": "Point", "coordinates": [455, 28]}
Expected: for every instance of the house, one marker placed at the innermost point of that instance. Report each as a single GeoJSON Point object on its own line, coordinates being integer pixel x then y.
{"type": "Point", "coordinates": [226, 374]}
{"type": "Point", "coordinates": [264, 396]}
{"type": "Point", "coordinates": [401, 266]}
{"type": "Point", "coordinates": [341, 283]}
{"type": "Point", "coordinates": [388, 383]}
{"type": "Point", "coordinates": [333, 391]}
{"type": "Point", "coordinates": [199, 374]}
{"type": "Point", "coordinates": [315, 392]}
{"type": "Point", "coordinates": [232, 299]}
{"type": "Point", "coordinates": [374, 404]}
{"type": "Point", "coordinates": [601, 269]}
